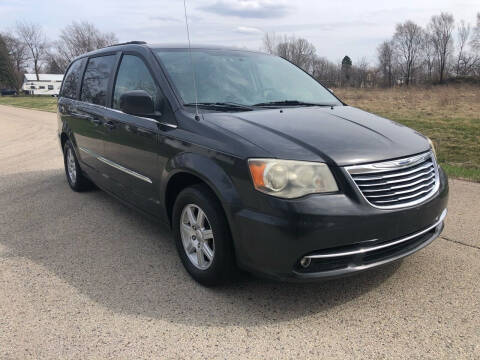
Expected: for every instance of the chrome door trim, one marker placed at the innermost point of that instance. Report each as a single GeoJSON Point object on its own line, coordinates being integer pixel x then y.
{"type": "Point", "coordinates": [166, 124]}
{"type": "Point", "coordinates": [173, 126]}
{"type": "Point", "coordinates": [116, 166]}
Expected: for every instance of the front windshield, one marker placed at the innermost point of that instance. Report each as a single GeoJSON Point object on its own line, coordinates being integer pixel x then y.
{"type": "Point", "coordinates": [241, 77]}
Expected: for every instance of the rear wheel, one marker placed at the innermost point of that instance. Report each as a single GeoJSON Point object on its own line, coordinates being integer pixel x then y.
{"type": "Point", "coordinates": [202, 236]}
{"type": "Point", "coordinates": [75, 177]}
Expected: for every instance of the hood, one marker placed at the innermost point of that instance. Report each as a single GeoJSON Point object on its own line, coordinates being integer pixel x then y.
{"type": "Point", "coordinates": [343, 135]}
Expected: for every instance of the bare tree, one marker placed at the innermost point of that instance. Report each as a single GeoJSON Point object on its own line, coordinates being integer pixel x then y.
{"type": "Point", "coordinates": [34, 39]}
{"type": "Point", "coordinates": [441, 29]}
{"type": "Point", "coordinates": [325, 71]}
{"type": "Point", "coordinates": [463, 33]}
{"type": "Point", "coordinates": [17, 50]}
{"type": "Point", "coordinates": [77, 39]}
{"type": "Point", "coordinates": [298, 51]}
{"type": "Point", "coordinates": [270, 42]}
{"type": "Point", "coordinates": [361, 72]}
{"type": "Point", "coordinates": [428, 56]}
{"type": "Point", "coordinates": [385, 59]}
{"type": "Point", "coordinates": [408, 45]}
{"type": "Point", "coordinates": [475, 41]}
{"type": "Point", "coordinates": [52, 64]}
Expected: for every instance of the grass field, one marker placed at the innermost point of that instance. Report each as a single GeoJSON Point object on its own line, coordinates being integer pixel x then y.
{"type": "Point", "coordinates": [45, 103]}
{"type": "Point", "coordinates": [449, 115]}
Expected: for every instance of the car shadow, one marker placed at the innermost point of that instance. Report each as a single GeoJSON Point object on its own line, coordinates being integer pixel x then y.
{"type": "Point", "coordinates": [129, 264]}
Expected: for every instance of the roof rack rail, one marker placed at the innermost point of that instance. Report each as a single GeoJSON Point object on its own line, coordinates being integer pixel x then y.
{"type": "Point", "coordinates": [129, 42]}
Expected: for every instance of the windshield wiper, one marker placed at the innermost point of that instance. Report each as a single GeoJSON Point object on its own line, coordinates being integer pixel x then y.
{"type": "Point", "coordinates": [222, 105]}
{"type": "Point", "coordinates": [292, 103]}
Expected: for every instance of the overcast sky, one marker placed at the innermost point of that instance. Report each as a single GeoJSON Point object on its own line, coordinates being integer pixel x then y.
{"type": "Point", "coordinates": [336, 28]}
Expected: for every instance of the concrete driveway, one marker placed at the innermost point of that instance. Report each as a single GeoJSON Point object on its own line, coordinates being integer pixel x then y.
{"type": "Point", "coordinates": [82, 276]}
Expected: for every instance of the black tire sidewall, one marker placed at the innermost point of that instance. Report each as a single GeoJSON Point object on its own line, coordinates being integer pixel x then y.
{"type": "Point", "coordinates": [222, 266]}
{"type": "Point", "coordinates": [81, 183]}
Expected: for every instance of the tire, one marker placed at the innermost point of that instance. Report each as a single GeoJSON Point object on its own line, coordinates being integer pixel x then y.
{"type": "Point", "coordinates": [75, 178]}
{"type": "Point", "coordinates": [217, 243]}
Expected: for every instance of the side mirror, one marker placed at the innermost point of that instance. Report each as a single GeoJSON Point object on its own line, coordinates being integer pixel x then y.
{"type": "Point", "coordinates": [137, 102]}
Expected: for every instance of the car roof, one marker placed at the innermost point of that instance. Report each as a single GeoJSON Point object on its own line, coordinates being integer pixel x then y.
{"type": "Point", "coordinates": [198, 46]}
{"type": "Point", "coordinates": [136, 44]}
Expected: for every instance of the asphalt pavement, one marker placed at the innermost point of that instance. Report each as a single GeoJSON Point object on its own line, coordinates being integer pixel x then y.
{"type": "Point", "coordinates": [82, 276]}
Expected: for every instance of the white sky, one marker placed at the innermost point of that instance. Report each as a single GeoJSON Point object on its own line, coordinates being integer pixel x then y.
{"type": "Point", "coordinates": [336, 28]}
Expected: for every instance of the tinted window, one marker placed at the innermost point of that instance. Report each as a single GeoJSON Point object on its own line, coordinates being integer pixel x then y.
{"type": "Point", "coordinates": [95, 80]}
{"type": "Point", "coordinates": [71, 80]}
{"type": "Point", "coordinates": [133, 74]}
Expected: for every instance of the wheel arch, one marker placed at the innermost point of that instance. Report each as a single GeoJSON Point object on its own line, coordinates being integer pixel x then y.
{"type": "Point", "coordinates": [187, 169]}
{"type": "Point", "coordinates": [66, 136]}
{"type": "Point", "coordinates": [65, 133]}
{"type": "Point", "coordinates": [63, 139]}
{"type": "Point", "coordinates": [179, 181]}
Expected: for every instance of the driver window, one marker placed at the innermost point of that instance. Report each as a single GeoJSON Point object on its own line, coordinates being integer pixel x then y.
{"type": "Point", "coordinates": [133, 74]}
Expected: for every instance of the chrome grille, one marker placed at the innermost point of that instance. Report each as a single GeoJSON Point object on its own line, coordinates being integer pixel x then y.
{"type": "Point", "coordinates": [398, 183]}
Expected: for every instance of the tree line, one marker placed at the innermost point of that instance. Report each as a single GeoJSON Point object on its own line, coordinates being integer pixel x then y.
{"type": "Point", "coordinates": [442, 51]}
{"type": "Point", "coordinates": [27, 48]}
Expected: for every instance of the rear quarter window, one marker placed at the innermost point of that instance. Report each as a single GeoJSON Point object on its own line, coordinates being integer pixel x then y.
{"type": "Point", "coordinates": [72, 80]}
{"type": "Point", "coordinates": [96, 78]}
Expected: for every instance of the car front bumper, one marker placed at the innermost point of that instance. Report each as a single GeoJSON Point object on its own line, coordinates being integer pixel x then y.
{"type": "Point", "coordinates": [337, 235]}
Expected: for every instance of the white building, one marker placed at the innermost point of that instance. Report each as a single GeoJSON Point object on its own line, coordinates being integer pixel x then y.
{"type": "Point", "coordinates": [49, 84]}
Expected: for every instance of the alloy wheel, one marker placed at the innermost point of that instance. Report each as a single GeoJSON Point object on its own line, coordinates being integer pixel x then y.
{"type": "Point", "coordinates": [197, 236]}
{"type": "Point", "coordinates": [71, 166]}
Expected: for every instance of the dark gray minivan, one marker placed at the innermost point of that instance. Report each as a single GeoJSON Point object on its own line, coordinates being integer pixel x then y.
{"type": "Point", "coordinates": [250, 161]}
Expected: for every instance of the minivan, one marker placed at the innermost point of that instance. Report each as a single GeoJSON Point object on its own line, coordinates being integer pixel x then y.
{"type": "Point", "coordinates": [251, 162]}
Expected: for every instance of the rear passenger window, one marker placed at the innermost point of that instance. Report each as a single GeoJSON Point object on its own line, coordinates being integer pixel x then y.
{"type": "Point", "coordinates": [95, 80]}
{"type": "Point", "coordinates": [71, 80]}
{"type": "Point", "coordinates": [133, 74]}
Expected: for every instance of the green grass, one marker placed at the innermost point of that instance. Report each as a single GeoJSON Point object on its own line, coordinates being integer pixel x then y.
{"type": "Point", "coordinates": [461, 172]}
{"type": "Point", "coordinates": [456, 141]}
{"type": "Point", "coordinates": [449, 115]}
{"type": "Point", "coordinates": [39, 102]}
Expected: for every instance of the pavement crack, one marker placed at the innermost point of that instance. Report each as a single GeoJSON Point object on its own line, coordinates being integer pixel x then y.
{"type": "Point", "coordinates": [460, 243]}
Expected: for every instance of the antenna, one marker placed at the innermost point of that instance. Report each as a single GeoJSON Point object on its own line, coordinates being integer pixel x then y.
{"type": "Point", "coordinates": [191, 61]}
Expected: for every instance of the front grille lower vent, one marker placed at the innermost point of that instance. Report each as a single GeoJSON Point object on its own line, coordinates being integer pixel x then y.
{"type": "Point", "coordinates": [398, 183]}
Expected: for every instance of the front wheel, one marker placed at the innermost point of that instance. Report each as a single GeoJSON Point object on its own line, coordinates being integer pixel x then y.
{"type": "Point", "coordinates": [202, 236]}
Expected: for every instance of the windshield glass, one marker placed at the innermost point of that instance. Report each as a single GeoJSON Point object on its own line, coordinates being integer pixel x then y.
{"type": "Point", "coordinates": [241, 77]}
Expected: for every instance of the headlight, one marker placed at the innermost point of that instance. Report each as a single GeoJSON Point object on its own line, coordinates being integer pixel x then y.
{"type": "Point", "coordinates": [289, 178]}
{"type": "Point", "coordinates": [432, 146]}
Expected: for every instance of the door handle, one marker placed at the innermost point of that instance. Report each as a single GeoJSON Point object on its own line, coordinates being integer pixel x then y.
{"type": "Point", "coordinates": [82, 116]}
{"type": "Point", "coordinates": [110, 125]}
{"type": "Point", "coordinates": [95, 121]}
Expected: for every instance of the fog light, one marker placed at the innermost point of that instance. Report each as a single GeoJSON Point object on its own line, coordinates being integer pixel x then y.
{"type": "Point", "coordinates": [305, 262]}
